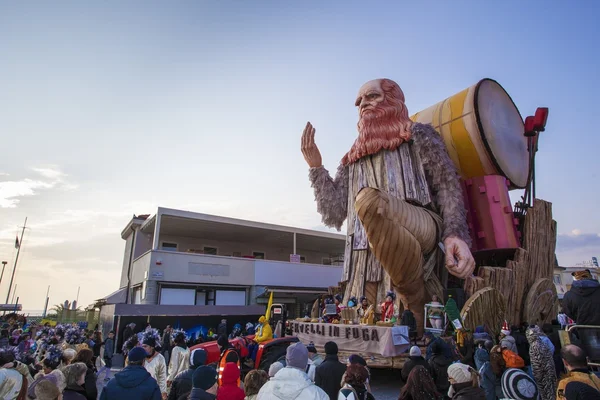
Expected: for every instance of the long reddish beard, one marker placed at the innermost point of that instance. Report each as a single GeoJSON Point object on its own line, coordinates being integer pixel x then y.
{"type": "Point", "coordinates": [383, 128]}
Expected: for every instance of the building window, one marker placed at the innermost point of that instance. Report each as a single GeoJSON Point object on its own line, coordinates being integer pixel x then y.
{"type": "Point", "coordinates": [166, 246]}
{"type": "Point", "coordinates": [210, 297]}
{"type": "Point", "coordinates": [259, 255]}
{"type": "Point", "coordinates": [326, 261]}
{"type": "Point", "coordinates": [211, 251]}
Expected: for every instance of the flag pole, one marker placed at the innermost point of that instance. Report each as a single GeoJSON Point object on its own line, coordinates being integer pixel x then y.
{"type": "Point", "coordinates": [12, 277]}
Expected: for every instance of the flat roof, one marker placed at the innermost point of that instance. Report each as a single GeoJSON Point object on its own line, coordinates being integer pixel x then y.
{"type": "Point", "coordinates": [173, 221]}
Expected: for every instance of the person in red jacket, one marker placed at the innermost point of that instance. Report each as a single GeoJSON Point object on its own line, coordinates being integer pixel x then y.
{"type": "Point", "coordinates": [229, 390]}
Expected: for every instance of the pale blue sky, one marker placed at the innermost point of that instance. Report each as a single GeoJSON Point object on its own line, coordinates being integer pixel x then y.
{"type": "Point", "coordinates": [113, 108]}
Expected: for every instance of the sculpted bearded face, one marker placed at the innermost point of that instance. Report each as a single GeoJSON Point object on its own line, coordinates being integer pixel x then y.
{"type": "Point", "coordinates": [383, 122]}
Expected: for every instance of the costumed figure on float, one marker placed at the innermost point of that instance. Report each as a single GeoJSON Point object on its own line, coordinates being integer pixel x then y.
{"type": "Point", "coordinates": [400, 193]}
{"type": "Point", "coordinates": [387, 307]}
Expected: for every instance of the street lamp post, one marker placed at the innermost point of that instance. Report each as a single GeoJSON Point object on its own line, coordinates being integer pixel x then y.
{"type": "Point", "coordinates": [3, 266]}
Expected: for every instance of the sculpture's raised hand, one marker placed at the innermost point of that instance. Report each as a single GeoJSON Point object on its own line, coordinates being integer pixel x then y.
{"type": "Point", "coordinates": [458, 251]}
{"type": "Point", "coordinates": [310, 151]}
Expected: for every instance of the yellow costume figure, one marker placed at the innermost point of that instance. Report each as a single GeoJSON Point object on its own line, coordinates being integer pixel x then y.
{"type": "Point", "coordinates": [264, 332]}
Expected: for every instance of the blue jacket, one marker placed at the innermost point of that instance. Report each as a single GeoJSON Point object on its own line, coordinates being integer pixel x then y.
{"type": "Point", "coordinates": [488, 380]}
{"type": "Point", "coordinates": [133, 382]}
{"type": "Point", "coordinates": [481, 356]}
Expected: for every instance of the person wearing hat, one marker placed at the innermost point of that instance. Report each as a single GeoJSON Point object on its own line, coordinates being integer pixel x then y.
{"type": "Point", "coordinates": [204, 384]}
{"type": "Point", "coordinates": [415, 358]}
{"type": "Point", "coordinates": [464, 383]}
{"type": "Point", "coordinates": [517, 385]}
{"type": "Point", "coordinates": [180, 356]}
{"type": "Point", "coordinates": [387, 307]}
{"type": "Point", "coordinates": [291, 382]}
{"type": "Point", "coordinates": [182, 384]}
{"type": "Point", "coordinates": [133, 382]}
{"type": "Point", "coordinates": [329, 374]}
{"type": "Point", "coordinates": [228, 355]}
{"type": "Point", "coordinates": [506, 340]}
{"type": "Point", "coordinates": [155, 362]}
{"type": "Point", "coordinates": [580, 302]}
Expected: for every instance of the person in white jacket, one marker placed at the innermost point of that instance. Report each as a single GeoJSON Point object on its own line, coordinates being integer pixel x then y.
{"type": "Point", "coordinates": [291, 382]}
{"type": "Point", "coordinates": [180, 357]}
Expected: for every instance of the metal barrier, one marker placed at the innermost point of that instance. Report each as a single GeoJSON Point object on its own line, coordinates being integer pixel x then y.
{"type": "Point", "coordinates": [565, 337]}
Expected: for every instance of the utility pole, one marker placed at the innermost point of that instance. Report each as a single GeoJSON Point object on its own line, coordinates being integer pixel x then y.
{"type": "Point", "coordinates": [14, 294]}
{"type": "Point", "coordinates": [12, 277]}
{"type": "Point", "coordinates": [46, 305]}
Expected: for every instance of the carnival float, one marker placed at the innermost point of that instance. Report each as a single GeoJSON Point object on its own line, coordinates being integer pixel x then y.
{"type": "Point", "coordinates": [428, 214]}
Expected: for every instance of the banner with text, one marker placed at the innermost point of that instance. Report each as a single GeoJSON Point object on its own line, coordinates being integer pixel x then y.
{"type": "Point", "coordinates": [385, 341]}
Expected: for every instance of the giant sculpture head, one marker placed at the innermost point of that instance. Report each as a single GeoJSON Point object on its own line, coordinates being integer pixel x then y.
{"type": "Point", "coordinates": [383, 119]}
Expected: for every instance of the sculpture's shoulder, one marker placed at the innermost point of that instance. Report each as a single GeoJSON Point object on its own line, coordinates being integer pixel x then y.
{"type": "Point", "coordinates": [426, 138]}
{"type": "Point", "coordinates": [421, 131]}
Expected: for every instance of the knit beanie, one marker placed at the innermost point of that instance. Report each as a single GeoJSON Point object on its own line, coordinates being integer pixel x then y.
{"type": "Point", "coordinates": [415, 351]}
{"type": "Point", "coordinates": [204, 377]}
{"type": "Point", "coordinates": [275, 368]}
{"type": "Point", "coordinates": [297, 356]}
{"type": "Point", "coordinates": [137, 354]}
{"type": "Point", "coordinates": [197, 358]}
{"type": "Point", "coordinates": [461, 373]}
{"type": "Point", "coordinates": [331, 348]}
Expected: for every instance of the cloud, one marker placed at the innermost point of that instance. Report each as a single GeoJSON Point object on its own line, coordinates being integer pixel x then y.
{"type": "Point", "coordinates": [12, 191]}
{"type": "Point", "coordinates": [578, 241]}
{"type": "Point", "coordinates": [50, 172]}
{"type": "Point", "coordinates": [576, 246]}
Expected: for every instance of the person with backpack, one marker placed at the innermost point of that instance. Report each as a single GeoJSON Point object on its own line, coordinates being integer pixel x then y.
{"type": "Point", "coordinates": [355, 380]}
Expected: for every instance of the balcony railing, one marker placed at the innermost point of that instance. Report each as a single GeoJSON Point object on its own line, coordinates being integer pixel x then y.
{"type": "Point", "coordinates": [168, 266]}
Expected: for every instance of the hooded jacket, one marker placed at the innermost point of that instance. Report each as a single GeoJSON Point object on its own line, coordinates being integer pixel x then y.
{"type": "Point", "coordinates": [542, 363]}
{"type": "Point", "coordinates": [229, 390]}
{"type": "Point", "coordinates": [182, 384]}
{"type": "Point", "coordinates": [133, 382]}
{"type": "Point", "coordinates": [291, 384]}
{"type": "Point", "coordinates": [509, 342]}
{"type": "Point", "coordinates": [580, 303]}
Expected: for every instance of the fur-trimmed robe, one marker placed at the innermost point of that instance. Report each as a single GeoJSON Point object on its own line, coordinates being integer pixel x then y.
{"type": "Point", "coordinates": [440, 192]}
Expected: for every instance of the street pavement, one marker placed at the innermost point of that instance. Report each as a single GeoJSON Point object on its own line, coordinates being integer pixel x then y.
{"type": "Point", "coordinates": [385, 384]}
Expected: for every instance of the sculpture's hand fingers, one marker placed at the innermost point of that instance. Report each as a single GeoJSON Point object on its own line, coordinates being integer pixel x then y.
{"type": "Point", "coordinates": [305, 135]}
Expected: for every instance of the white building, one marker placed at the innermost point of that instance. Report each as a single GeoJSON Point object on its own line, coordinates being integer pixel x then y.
{"type": "Point", "coordinates": [185, 263]}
